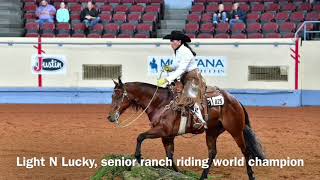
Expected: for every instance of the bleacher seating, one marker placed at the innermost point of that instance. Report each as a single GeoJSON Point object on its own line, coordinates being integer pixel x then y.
{"type": "Point", "coordinates": [119, 18]}
{"type": "Point", "coordinates": [265, 18]}
{"type": "Point", "coordinates": [140, 19]}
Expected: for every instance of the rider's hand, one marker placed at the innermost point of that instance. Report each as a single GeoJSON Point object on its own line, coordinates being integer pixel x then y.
{"type": "Point", "coordinates": [162, 82]}
{"type": "Point", "coordinates": [168, 68]}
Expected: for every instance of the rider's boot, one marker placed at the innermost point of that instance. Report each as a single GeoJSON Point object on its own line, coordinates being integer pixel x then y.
{"type": "Point", "coordinates": [197, 112]}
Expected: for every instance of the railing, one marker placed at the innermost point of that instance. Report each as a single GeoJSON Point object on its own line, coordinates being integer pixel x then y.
{"type": "Point", "coordinates": [305, 31]}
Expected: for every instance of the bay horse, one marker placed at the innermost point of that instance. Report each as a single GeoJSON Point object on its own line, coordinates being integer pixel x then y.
{"type": "Point", "coordinates": [231, 117]}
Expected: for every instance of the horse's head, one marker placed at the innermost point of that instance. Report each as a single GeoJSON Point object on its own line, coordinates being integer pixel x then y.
{"type": "Point", "coordinates": [120, 101]}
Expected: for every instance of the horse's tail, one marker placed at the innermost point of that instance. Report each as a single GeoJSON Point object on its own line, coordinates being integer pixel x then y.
{"type": "Point", "coordinates": [253, 144]}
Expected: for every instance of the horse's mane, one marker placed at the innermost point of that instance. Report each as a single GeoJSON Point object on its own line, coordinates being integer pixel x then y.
{"type": "Point", "coordinates": [146, 86]}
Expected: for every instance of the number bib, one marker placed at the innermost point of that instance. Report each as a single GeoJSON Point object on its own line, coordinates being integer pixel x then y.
{"type": "Point", "coordinates": [215, 101]}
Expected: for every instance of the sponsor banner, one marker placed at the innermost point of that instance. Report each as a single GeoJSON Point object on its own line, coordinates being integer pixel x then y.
{"type": "Point", "coordinates": [208, 65]}
{"type": "Point", "coordinates": [52, 64]}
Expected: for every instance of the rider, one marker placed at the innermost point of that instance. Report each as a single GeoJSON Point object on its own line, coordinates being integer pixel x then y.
{"type": "Point", "coordinates": [186, 70]}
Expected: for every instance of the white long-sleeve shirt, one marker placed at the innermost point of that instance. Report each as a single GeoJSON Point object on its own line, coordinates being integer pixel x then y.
{"type": "Point", "coordinates": [185, 62]}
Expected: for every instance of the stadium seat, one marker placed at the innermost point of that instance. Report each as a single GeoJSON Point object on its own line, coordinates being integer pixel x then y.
{"type": "Point", "coordinates": [32, 27]}
{"type": "Point", "coordinates": [48, 35]}
{"type": "Point", "coordinates": [212, 8]}
{"type": "Point", "coordinates": [137, 9]}
{"type": "Point", "coordinates": [222, 35]}
{"type": "Point", "coordinates": [258, 8]}
{"type": "Point", "coordinates": [119, 18]}
{"type": "Point", "coordinates": [109, 36]}
{"type": "Point", "coordinates": [272, 7]}
{"type": "Point", "coordinates": [254, 28]}
{"type": "Point", "coordinates": [94, 35]}
{"type": "Point", "coordinates": [297, 16]}
{"type": "Point", "coordinates": [30, 8]}
{"type": "Point", "coordinates": [194, 18]}
{"type": "Point", "coordinates": [124, 35]}
{"type": "Point", "coordinates": [228, 7]}
{"type": "Point", "coordinates": [78, 35]}
{"type": "Point", "coordinates": [316, 7]}
{"type": "Point", "coordinates": [47, 28]}
{"type": "Point", "coordinates": [97, 29]}
{"type": "Point", "coordinates": [239, 36]}
{"type": "Point", "coordinates": [149, 18]}
{"type": "Point", "coordinates": [238, 28]}
{"type": "Point", "coordinates": [254, 35]}
{"type": "Point", "coordinates": [192, 28]}
{"type": "Point", "coordinates": [111, 28]}
{"type": "Point", "coordinates": [253, 17]}
{"type": "Point", "coordinates": [306, 7]}
{"type": "Point", "coordinates": [78, 28]}
{"type": "Point", "coordinates": [191, 35]}
{"type": "Point", "coordinates": [272, 35]}
{"type": "Point", "coordinates": [288, 7]}
{"type": "Point", "coordinates": [106, 9]}
{"type": "Point", "coordinates": [287, 35]}
{"type": "Point", "coordinates": [213, 1]}
{"type": "Point", "coordinates": [198, 8]}
{"type": "Point", "coordinates": [313, 16]}
{"type": "Point", "coordinates": [287, 27]}
{"type": "Point", "coordinates": [121, 9]}
{"type": "Point", "coordinates": [144, 28]}
{"type": "Point", "coordinates": [282, 17]}
{"type": "Point", "coordinates": [127, 28]}
{"type": "Point", "coordinates": [267, 17]}
{"type": "Point", "coordinates": [223, 28]}
{"type": "Point", "coordinates": [76, 8]}
{"type": "Point", "coordinates": [206, 17]}
{"type": "Point", "coordinates": [134, 18]}
{"type": "Point", "coordinates": [207, 28]}
{"type": "Point", "coordinates": [141, 35]}
{"type": "Point", "coordinates": [244, 7]}
{"type": "Point", "coordinates": [152, 9]}
{"type": "Point", "coordinates": [63, 28]}
{"type": "Point", "coordinates": [270, 27]}
{"type": "Point", "coordinates": [105, 18]}
{"type": "Point", "coordinates": [205, 35]}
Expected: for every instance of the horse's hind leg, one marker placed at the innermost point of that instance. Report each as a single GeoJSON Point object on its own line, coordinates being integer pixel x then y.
{"type": "Point", "coordinates": [239, 138]}
{"type": "Point", "coordinates": [155, 132]}
{"type": "Point", "coordinates": [168, 144]}
{"type": "Point", "coordinates": [211, 139]}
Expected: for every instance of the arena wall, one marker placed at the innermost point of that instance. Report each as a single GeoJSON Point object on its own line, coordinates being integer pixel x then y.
{"type": "Point", "coordinates": [17, 81]}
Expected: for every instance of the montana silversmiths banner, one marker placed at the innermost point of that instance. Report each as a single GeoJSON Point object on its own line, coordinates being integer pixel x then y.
{"type": "Point", "coordinates": [208, 65]}
{"type": "Point", "coordinates": [51, 64]}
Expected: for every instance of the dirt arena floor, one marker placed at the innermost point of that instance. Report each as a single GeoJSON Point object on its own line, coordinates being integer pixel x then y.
{"type": "Point", "coordinates": [76, 131]}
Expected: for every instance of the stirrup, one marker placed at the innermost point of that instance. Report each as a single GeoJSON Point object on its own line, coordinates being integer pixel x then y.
{"type": "Point", "coordinates": [200, 125]}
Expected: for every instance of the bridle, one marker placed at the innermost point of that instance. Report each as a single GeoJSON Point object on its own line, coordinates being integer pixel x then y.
{"type": "Point", "coordinates": [117, 113]}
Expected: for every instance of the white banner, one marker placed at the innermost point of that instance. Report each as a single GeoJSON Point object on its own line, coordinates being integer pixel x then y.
{"type": "Point", "coordinates": [51, 64]}
{"type": "Point", "coordinates": [208, 65]}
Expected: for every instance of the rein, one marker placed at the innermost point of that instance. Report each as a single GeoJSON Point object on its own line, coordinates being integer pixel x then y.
{"type": "Point", "coordinates": [125, 94]}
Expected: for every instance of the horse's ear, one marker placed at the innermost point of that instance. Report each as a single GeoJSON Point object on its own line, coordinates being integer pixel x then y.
{"type": "Point", "coordinates": [115, 83]}
{"type": "Point", "coordinates": [119, 79]}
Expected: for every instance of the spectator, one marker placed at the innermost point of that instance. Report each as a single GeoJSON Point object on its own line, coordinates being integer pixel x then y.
{"type": "Point", "coordinates": [220, 15]}
{"type": "Point", "coordinates": [62, 14]}
{"type": "Point", "coordinates": [45, 12]}
{"type": "Point", "coordinates": [237, 15]}
{"type": "Point", "coordinates": [89, 15]}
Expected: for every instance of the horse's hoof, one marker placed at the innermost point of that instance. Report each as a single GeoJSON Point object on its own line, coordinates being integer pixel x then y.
{"type": "Point", "coordinates": [135, 163]}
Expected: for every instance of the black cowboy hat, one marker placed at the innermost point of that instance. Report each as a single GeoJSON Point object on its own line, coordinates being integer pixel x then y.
{"type": "Point", "coordinates": [177, 35]}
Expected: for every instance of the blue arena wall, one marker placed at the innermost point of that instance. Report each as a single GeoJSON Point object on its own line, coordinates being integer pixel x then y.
{"type": "Point", "coordinates": [103, 96]}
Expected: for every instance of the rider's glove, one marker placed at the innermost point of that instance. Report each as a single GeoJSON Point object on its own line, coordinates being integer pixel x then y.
{"type": "Point", "coordinates": [162, 82]}
{"type": "Point", "coordinates": [168, 68]}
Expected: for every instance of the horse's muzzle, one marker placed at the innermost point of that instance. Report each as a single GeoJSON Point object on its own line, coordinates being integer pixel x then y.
{"type": "Point", "coordinates": [114, 117]}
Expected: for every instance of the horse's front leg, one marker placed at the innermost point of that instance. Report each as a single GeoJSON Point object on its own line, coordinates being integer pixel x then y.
{"type": "Point", "coordinates": [155, 132]}
{"type": "Point", "coordinates": [168, 143]}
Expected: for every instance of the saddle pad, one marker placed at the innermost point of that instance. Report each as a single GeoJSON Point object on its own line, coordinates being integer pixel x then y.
{"type": "Point", "coordinates": [215, 101]}
{"type": "Point", "coordinates": [183, 125]}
